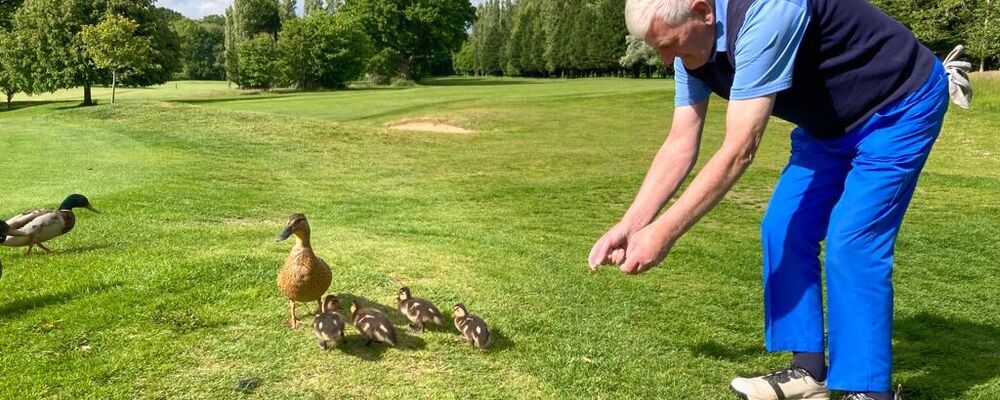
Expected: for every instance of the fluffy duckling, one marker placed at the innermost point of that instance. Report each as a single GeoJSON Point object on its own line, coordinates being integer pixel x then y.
{"type": "Point", "coordinates": [33, 228]}
{"type": "Point", "coordinates": [473, 328]}
{"type": "Point", "coordinates": [304, 277]}
{"type": "Point", "coordinates": [374, 324]}
{"type": "Point", "coordinates": [418, 311]}
{"type": "Point", "coordinates": [328, 325]}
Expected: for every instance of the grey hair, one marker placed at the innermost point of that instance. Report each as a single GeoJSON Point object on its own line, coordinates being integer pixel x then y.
{"type": "Point", "coordinates": [639, 14]}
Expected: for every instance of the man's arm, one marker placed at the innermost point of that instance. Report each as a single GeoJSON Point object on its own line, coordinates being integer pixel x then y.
{"type": "Point", "coordinates": [672, 164]}
{"type": "Point", "coordinates": [745, 124]}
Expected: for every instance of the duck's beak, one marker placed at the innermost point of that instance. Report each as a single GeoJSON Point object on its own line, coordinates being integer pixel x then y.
{"type": "Point", "coordinates": [91, 208]}
{"type": "Point", "coordinates": [284, 234]}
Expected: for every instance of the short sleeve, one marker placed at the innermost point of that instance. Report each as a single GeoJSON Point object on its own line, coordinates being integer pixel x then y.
{"type": "Point", "coordinates": [766, 47]}
{"type": "Point", "coordinates": [689, 90]}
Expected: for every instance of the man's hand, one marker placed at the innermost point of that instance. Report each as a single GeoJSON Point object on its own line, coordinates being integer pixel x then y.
{"type": "Point", "coordinates": [647, 248]}
{"type": "Point", "coordinates": [610, 248]}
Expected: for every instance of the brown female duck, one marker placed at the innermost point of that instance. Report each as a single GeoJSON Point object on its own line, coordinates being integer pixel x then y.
{"type": "Point", "coordinates": [304, 277]}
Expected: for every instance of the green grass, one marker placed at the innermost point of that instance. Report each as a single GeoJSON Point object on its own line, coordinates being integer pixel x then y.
{"type": "Point", "coordinates": [173, 286]}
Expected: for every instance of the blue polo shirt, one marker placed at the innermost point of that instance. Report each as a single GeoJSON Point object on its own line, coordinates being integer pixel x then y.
{"type": "Point", "coordinates": [765, 51]}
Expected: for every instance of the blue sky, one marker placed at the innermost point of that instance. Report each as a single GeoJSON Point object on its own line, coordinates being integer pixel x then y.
{"type": "Point", "coordinates": [200, 8]}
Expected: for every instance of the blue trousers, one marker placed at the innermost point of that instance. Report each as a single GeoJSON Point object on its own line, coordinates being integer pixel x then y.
{"type": "Point", "coordinates": [851, 191]}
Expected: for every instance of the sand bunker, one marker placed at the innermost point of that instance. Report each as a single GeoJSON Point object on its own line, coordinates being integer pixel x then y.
{"type": "Point", "coordinates": [427, 125]}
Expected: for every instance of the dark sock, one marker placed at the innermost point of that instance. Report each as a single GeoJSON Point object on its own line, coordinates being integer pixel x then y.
{"type": "Point", "coordinates": [814, 363]}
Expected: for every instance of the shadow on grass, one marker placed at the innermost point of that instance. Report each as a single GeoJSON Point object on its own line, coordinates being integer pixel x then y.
{"type": "Point", "coordinates": [21, 105]}
{"type": "Point", "coordinates": [473, 82]}
{"type": "Point", "coordinates": [243, 97]}
{"type": "Point", "coordinates": [949, 356]}
{"type": "Point", "coordinates": [19, 307]}
{"type": "Point", "coordinates": [499, 341]}
{"type": "Point", "coordinates": [354, 344]}
{"type": "Point", "coordinates": [719, 351]}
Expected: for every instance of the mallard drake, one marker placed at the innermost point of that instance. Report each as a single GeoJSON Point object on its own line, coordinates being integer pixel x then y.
{"type": "Point", "coordinates": [473, 328]}
{"type": "Point", "coordinates": [418, 311]}
{"type": "Point", "coordinates": [304, 277]}
{"type": "Point", "coordinates": [328, 325]}
{"type": "Point", "coordinates": [373, 324]}
{"type": "Point", "coordinates": [35, 227]}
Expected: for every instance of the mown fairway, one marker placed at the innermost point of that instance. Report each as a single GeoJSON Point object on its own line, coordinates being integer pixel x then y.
{"type": "Point", "coordinates": [171, 292]}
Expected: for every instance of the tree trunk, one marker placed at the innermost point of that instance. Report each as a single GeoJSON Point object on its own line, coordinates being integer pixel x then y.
{"type": "Point", "coordinates": [406, 68]}
{"type": "Point", "coordinates": [10, 96]}
{"type": "Point", "coordinates": [982, 63]}
{"type": "Point", "coordinates": [87, 100]}
{"type": "Point", "coordinates": [114, 81]}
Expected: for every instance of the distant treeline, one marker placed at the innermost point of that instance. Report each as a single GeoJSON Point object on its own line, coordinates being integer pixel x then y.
{"type": "Point", "coordinates": [256, 44]}
{"type": "Point", "coordinates": [578, 38]}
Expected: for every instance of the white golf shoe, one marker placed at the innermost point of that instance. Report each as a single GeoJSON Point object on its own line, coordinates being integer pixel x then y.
{"type": "Point", "coordinates": [788, 384]}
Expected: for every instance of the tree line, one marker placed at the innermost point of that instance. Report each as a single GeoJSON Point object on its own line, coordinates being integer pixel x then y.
{"type": "Point", "coordinates": [266, 45]}
{"type": "Point", "coordinates": [575, 38]}
{"type": "Point", "coordinates": [47, 45]}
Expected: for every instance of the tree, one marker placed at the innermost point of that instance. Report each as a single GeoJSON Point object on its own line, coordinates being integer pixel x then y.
{"type": "Point", "coordinates": [639, 57]}
{"type": "Point", "coordinates": [203, 47]}
{"type": "Point", "coordinates": [332, 6]}
{"type": "Point", "coordinates": [324, 50]}
{"type": "Point", "coordinates": [246, 19]}
{"type": "Point", "coordinates": [418, 34]}
{"type": "Point", "coordinates": [287, 10]}
{"type": "Point", "coordinates": [50, 54]}
{"type": "Point", "coordinates": [489, 37]}
{"type": "Point", "coordinates": [465, 61]}
{"type": "Point", "coordinates": [260, 63]}
{"type": "Point", "coordinates": [113, 45]}
{"type": "Point", "coordinates": [8, 84]}
{"type": "Point", "coordinates": [312, 6]}
{"type": "Point", "coordinates": [7, 9]}
{"type": "Point", "coordinates": [983, 34]}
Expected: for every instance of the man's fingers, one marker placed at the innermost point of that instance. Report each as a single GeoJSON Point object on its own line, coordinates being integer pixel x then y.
{"type": "Point", "coordinates": [598, 254]}
{"type": "Point", "coordinates": [618, 256]}
{"type": "Point", "coordinates": [629, 266]}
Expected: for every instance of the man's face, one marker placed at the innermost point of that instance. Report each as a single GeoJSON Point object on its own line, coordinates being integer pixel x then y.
{"type": "Point", "coordinates": [692, 40]}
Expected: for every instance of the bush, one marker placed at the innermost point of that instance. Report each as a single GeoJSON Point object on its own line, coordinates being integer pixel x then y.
{"type": "Point", "coordinates": [323, 50]}
{"type": "Point", "coordinates": [260, 65]}
{"type": "Point", "coordinates": [465, 61]}
{"type": "Point", "coordinates": [384, 66]}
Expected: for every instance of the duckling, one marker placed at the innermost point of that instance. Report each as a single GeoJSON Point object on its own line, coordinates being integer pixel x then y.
{"type": "Point", "coordinates": [473, 328]}
{"type": "Point", "coordinates": [374, 324]}
{"type": "Point", "coordinates": [35, 227]}
{"type": "Point", "coordinates": [304, 277]}
{"type": "Point", "coordinates": [328, 325]}
{"type": "Point", "coordinates": [418, 311]}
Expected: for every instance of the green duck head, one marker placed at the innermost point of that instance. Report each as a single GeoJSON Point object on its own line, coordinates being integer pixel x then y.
{"type": "Point", "coordinates": [77, 201]}
{"type": "Point", "coordinates": [3, 231]}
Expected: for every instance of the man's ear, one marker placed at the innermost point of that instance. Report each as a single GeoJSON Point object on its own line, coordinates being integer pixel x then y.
{"type": "Point", "coordinates": [703, 11]}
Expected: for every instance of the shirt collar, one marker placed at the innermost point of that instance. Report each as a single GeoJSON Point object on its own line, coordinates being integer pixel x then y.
{"type": "Point", "coordinates": [721, 6]}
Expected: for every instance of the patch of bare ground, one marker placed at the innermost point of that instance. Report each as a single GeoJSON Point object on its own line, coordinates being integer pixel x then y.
{"type": "Point", "coordinates": [427, 125]}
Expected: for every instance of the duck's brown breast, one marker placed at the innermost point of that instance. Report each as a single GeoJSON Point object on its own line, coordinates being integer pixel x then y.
{"type": "Point", "coordinates": [304, 277]}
